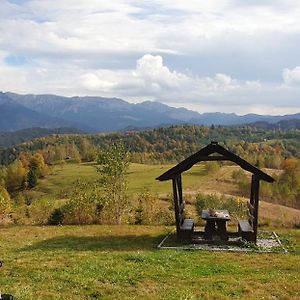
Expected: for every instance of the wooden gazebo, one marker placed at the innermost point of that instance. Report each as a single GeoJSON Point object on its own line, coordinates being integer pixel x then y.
{"type": "Point", "coordinates": [214, 152]}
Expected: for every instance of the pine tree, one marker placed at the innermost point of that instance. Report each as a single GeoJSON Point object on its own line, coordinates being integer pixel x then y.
{"type": "Point", "coordinates": [32, 178]}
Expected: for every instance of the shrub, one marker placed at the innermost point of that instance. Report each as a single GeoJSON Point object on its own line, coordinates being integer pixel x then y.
{"type": "Point", "coordinates": [39, 211]}
{"type": "Point", "coordinates": [85, 204]}
{"type": "Point", "coordinates": [149, 210]}
{"type": "Point", "coordinates": [236, 206]}
{"type": "Point", "coordinates": [212, 166]}
{"type": "Point", "coordinates": [56, 217]}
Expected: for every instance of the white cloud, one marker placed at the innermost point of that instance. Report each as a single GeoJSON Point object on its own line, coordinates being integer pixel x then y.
{"type": "Point", "coordinates": [217, 55]}
{"type": "Point", "coordinates": [93, 82]}
{"type": "Point", "coordinates": [151, 70]}
{"type": "Point", "coordinates": [291, 76]}
{"type": "Point", "coordinates": [152, 79]}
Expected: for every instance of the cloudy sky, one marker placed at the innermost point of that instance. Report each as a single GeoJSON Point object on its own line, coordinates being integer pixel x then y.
{"type": "Point", "coordinates": [237, 56]}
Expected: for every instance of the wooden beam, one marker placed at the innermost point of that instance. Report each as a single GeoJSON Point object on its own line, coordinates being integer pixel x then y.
{"type": "Point", "coordinates": [176, 207]}
{"type": "Point", "coordinates": [213, 158]}
{"type": "Point", "coordinates": [252, 191]}
{"type": "Point", "coordinates": [255, 205]}
{"type": "Point", "coordinates": [181, 208]}
{"type": "Point", "coordinates": [179, 187]}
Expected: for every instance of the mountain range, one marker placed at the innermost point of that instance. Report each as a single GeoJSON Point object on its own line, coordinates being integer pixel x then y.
{"type": "Point", "coordinates": [99, 114]}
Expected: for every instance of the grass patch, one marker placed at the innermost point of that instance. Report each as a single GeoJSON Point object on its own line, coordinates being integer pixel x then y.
{"type": "Point", "coordinates": [122, 262]}
{"type": "Point", "coordinates": [59, 184]}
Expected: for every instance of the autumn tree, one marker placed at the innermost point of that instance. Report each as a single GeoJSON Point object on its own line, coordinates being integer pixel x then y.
{"type": "Point", "coordinates": [73, 153]}
{"type": "Point", "coordinates": [37, 165]}
{"type": "Point", "coordinates": [113, 164]}
{"type": "Point", "coordinates": [87, 150]}
{"type": "Point", "coordinates": [291, 173]}
{"type": "Point", "coordinates": [289, 181]}
{"type": "Point", "coordinates": [5, 202]}
{"type": "Point", "coordinates": [37, 169]}
{"type": "Point", "coordinates": [16, 176]}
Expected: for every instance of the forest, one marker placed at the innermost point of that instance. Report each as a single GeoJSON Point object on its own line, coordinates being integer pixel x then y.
{"type": "Point", "coordinates": [262, 147]}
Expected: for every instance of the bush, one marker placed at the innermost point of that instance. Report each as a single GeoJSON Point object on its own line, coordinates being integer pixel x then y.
{"type": "Point", "coordinates": [149, 210]}
{"type": "Point", "coordinates": [236, 206]}
{"type": "Point", "coordinates": [39, 211]}
{"type": "Point", "coordinates": [85, 205]}
{"type": "Point", "coordinates": [56, 217]}
{"type": "Point", "coordinates": [212, 166]}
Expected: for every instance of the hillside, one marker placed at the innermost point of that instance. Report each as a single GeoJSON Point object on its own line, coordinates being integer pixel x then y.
{"type": "Point", "coordinates": [170, 144]}
{"type": "Point", "coordinates": [99, 114]}
{"type": "Point", "coordinates": [283, 124]}
{"type": "Point", "coordinates": [11, 139]}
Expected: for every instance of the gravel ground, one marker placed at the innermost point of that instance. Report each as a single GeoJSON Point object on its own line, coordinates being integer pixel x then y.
{"type": "Point", "coordinates": [266, 242]}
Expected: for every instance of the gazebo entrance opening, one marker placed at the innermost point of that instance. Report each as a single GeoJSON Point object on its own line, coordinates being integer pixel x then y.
{"type": "Point", "coordinates": [247, 229]}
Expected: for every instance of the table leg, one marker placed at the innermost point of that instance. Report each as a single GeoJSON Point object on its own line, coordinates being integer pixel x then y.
{"type": "Point", "coordinates": [210, 229]}
{"type": "Point", "coordinates": [221, 224]}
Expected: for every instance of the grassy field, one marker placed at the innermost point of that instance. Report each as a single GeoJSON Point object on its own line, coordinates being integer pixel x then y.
{"type": "Point", "coordinates": [60, 182]}
{"type": "Point", "coordinates": [122, 262]}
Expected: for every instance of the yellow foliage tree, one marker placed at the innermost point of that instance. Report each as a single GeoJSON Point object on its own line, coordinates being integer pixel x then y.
{"type": "Point", "coordinates": [5, 202]}
{"type": "Point", "coordinates": [16, 176]}
{"type": "Point", "coordinates": [37, 164]}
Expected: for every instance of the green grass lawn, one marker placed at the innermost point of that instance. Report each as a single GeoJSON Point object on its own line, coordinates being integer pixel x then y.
{"type": "Point", "coordinates": [60, 182]}
{"type": "Point", "coordinates": [122, 262]}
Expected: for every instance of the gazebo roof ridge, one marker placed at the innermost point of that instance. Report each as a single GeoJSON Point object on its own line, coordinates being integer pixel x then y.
{"type": "Point", "coordinates": [204, 154]}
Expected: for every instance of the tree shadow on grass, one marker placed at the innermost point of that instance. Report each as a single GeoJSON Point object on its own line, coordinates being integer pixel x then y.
{"type": "Point", "coordinates": [98, 243]}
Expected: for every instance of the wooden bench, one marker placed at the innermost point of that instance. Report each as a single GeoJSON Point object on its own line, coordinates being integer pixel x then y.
{"type": "Point", "coordinates": [186, 230]}
{"type": "Point", "coordinates": [246, 226]}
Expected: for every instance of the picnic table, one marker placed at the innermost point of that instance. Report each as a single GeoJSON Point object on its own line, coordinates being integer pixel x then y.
{"type": "Point", "coordinates": [215, 223]}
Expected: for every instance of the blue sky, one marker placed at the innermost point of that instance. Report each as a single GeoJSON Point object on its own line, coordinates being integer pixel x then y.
{"type": "Point", "coordinates": [229, 56]}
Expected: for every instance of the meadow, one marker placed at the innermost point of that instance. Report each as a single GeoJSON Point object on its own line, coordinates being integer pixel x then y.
{"type": "Point", "coordinates": [60, 182]}
{"type": "Point", "coordinates": [140, 176]}
{"type": "Point", "coordinates": [122, 262]}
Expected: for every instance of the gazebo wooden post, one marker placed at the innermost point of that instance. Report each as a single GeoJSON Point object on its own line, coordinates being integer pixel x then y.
{"type": "Point", "coordinates": [252, 191]}
{"type": "Point", "coordinates": [256, 205]}
{"type": "Point", "coordinates": [176, 206]}
{"type": "Point", "coordinates": [179, 186]}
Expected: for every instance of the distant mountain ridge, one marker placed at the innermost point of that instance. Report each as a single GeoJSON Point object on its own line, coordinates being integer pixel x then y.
{"type": "Point", "coordinates": [99, 114]}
